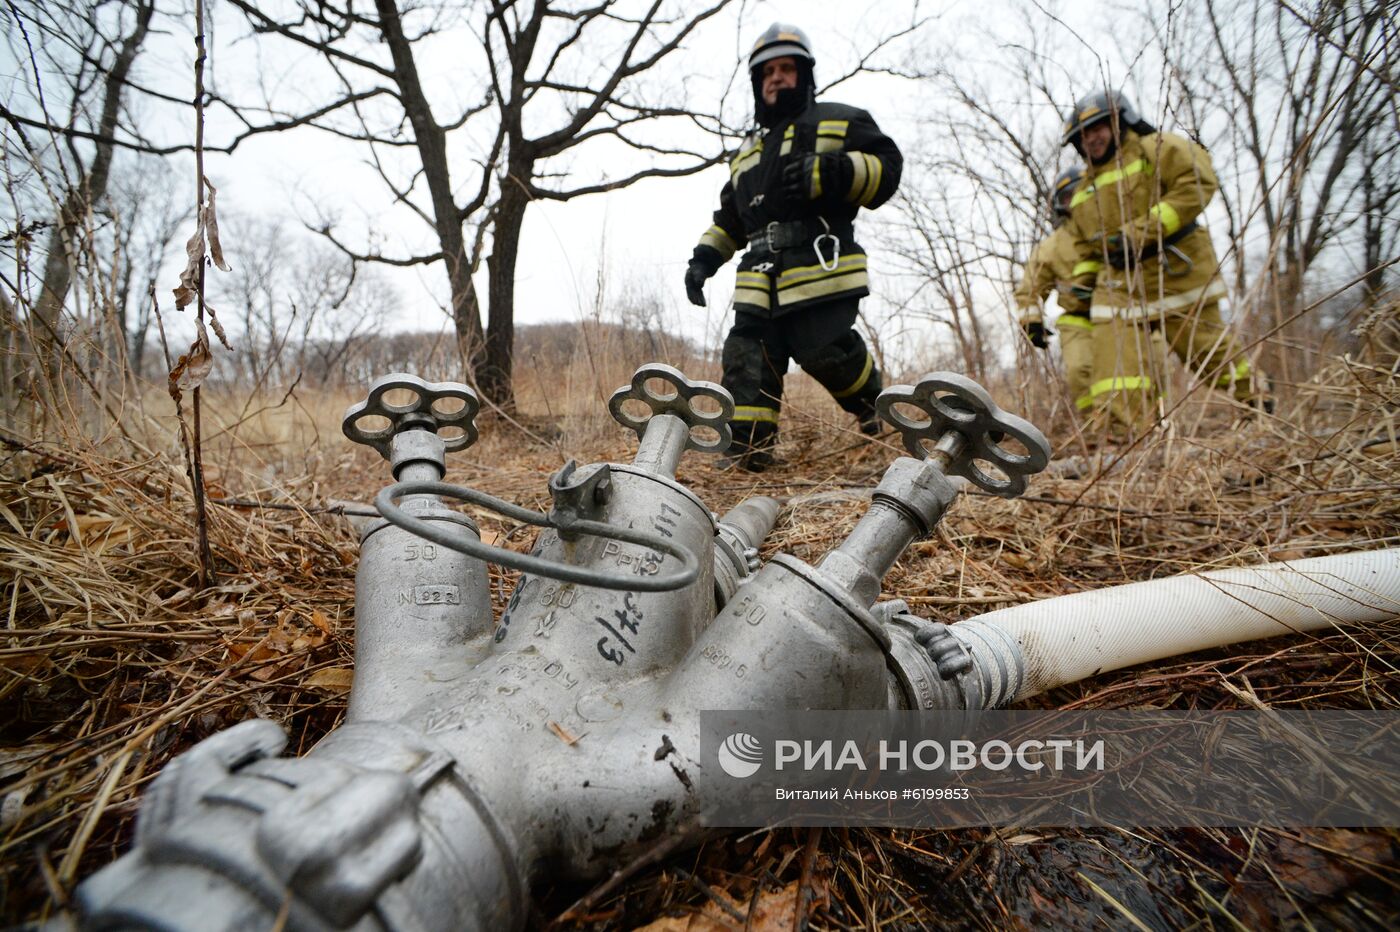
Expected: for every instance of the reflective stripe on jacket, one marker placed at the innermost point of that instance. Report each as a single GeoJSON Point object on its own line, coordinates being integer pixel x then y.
{"type": "Point", "coordinates": [1153, 187]}
{"type": "Point", "coordinates": [753, 198]}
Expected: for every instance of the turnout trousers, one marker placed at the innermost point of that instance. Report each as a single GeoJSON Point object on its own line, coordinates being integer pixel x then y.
{"type": "Point", "coordinates": [821, 339]}
{"type": "Point", "coordinates": [1077, 349]}
{"type": "Point", "coordinates": [1128, 372]}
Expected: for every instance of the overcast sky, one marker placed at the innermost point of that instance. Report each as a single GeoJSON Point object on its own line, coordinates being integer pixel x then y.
{"type": "Point", "coordinates": [638, 238]}
{"type": "Point", "coordinates": [643, 234]}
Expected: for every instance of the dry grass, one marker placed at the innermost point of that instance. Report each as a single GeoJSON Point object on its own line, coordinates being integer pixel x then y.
{"type": "Point", "coordinates": [111, 662]}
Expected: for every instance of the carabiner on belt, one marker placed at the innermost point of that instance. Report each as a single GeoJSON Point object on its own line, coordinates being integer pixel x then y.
{"type": "Point", "coordinates": [1186, 260]}
{"type": "Point", "coordinates": [835, 246]}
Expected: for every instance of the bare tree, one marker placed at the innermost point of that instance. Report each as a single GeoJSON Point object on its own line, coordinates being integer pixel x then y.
{"type": "Point", "coordinates": [146, 219]}
{"type": "Point", "coordinates": [1297, 103]}
{"type": "Point", "coordinates": [83, 230]}
{"type": "Point", "coordinates": [1301, 99]}
{"type": "Point", "coordinates": [299, 306]}
{"type": "Point", "coordinates": [88, 52]}
{"type": "Point", "coordinates": [558, 77]}
{"type": "Point", "coordinates": [972, 204]}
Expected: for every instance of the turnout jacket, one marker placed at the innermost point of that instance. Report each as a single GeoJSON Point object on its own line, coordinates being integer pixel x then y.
{"type": "Point", "coordinates": [1049, 268]}
{"type": "Point", "coordinates": [1154, 187]}
{"type": "Point", "coordinates": [753, 198]}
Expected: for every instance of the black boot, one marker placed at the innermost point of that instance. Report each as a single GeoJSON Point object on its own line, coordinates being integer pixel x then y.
{"type": "Point", "coordinates": [752, 448]}
{"type": "Point", "coordinates": [862, 405]}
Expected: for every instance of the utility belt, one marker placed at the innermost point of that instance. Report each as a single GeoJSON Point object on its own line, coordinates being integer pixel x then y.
{"type": "Point", "coordinates": [779, 235]}
{"type": "Point", "coordinates": [792, 234]}
{"type": "Point", "coordinates": [1151, 249]}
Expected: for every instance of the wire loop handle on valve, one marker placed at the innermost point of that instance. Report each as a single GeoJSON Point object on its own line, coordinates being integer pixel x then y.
{"type": "Point", "coordinates": [678, 400]}
{"type": "Point", "coordinates": [951, 403]}
{"type": "Point", "coordinates": [444, 536]}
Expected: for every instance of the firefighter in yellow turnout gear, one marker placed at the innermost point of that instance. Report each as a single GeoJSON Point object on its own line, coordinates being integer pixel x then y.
{"type": "Point", "coordinates": [1152, 266]}
{"type": "Point", "coordinates": [795, 187]}
{"type": "Point", "coordinates": [1051, 268]}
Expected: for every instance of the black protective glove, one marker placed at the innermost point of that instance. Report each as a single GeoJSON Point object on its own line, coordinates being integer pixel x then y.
{"type": "Point", "coordinates": [1036, 333]}
{"type": "Point", "coordinates": [696, 274]}
{"type": "Point", "coordinates": [832, 171]}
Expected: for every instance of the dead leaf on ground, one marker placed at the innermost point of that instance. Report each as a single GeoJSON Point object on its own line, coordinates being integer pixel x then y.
{"type": "Point", "coordinates": [274, 671]}
{"type": "Point", "coordinates": [319, 619]}
{"type": "Point", "coordinates": [254, 652]}
{"type": "Point", "coordinates": [336, 679]}
{"type": "Point", "coordinates": [773, 911]}
{"type": "Point", "coordinates": [308, 642]}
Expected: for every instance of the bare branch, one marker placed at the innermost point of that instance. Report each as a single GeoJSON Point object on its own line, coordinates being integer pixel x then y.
{"type": "Point", "coordinates": [262, 23]}
{"type": "Point", "coordinates": [559, 140]}
{"type": "Point", "coordinates": [622, 182]}
{"type": "Point", "coordinates": [380, 258]}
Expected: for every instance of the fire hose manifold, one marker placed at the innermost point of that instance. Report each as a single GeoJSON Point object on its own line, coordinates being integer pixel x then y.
{"type": "Point", "coordinates": [480, 754]}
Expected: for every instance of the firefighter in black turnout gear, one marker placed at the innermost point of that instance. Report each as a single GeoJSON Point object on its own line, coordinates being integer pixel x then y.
{"type": "Point", "coordinates": [794, 188]}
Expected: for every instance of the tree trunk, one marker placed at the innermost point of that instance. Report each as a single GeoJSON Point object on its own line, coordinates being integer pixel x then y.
{"type": "Point", "coordinates": [431, 141]}
{"type": "Point", "coordinates": [47, 333]}
{"type": "Point", "coordinates": [495, 377]}
{"type": "Point", "coordinates": [87, 191]}
{"type": "Point", "coordinates": [136, 345]}
{"type": "Point", "coordinates": [9, 353]}
{"type": "Point", "coordinates": [465, 305]}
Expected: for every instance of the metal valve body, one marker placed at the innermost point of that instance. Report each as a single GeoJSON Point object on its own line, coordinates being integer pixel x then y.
{"type": "Point", "coordinates": [565, 736]}
{"type": "Point", "coordinates": [422, 611]}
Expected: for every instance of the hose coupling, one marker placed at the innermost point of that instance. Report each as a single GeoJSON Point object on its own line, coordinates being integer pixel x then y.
{"type": "Point", "coordinates": [936, 671]}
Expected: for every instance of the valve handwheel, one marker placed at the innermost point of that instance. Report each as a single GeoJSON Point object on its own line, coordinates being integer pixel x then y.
{"type": "Point", "coordinates": [445, 408]}
{"type": "Point", "coordinates": [449, 410]}
{"type": "Point", "coordinates": [678, 401]}
{"type": "Point", "coordinates": [958, 418]}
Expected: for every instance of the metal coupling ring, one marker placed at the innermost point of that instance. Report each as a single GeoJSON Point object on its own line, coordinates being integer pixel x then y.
{"type": "Point", "coordinates": [1187, 268]}
{"type": "Point", "coordinates": [677, 401]}
{"type": "Point", "coordinates": [448, 409]}
{"type": "Point", "coordinates": [442, 534]}
{"type": "Point", "coordinates": [951, 403]}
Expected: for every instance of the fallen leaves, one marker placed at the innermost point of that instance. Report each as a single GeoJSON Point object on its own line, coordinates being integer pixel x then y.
{"type": "Point", "coordinates": [284, 649]}
{"type": "Point", "coordinates": [772, 911]}
{"type": "Point", "coordinates": [98, 533]}
{"type": "Point", "coordinates": [319, 620]}
{"type": "Point", "coordinates": [335, 679]}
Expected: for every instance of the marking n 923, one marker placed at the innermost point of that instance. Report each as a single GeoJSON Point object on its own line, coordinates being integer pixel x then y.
{"type": "Point", "coordinates": [437, 595]}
